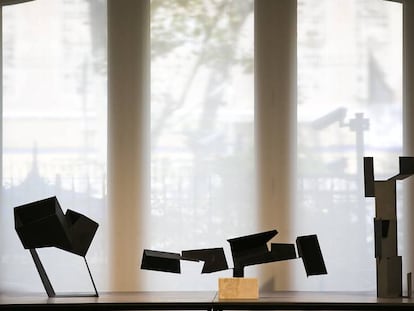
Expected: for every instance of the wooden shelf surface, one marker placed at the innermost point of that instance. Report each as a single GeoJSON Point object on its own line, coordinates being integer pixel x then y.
{"type": "Point", "coordinates": [280, 300]}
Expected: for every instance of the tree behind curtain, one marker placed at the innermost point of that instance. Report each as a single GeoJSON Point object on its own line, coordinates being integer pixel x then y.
{"type": "Point", "coordinates": [201, 130]}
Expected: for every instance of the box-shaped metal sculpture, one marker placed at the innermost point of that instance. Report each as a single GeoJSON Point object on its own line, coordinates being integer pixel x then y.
{"type": "Point", "coordinates": [43, 224]}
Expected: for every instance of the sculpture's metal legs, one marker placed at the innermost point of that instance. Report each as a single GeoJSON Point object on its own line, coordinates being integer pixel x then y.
{"type": "Point", "coordinates": [42, 273]}
{"type": "Point", "coordinates": [48, 285]}
{"type": "Point", "coordinates": [90, 275]}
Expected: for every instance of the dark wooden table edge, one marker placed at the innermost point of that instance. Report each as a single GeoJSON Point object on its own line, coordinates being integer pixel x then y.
{"type": "Point", "coordinates": [214, 304]}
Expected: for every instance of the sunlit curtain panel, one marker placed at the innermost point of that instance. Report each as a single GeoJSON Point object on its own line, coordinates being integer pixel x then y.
{"type": "Point", "coordinates": [54, 132]}
{"type": "Point", "coordinates": [202, 175]}
{"type": "Point", "coordinates": [349, 106]}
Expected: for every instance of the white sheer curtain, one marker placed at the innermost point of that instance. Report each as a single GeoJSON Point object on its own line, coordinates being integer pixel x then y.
{"type": "Point", "coordinates": [349, 105]}
{"type": "Point", "coordinates": [196, 149]}
{"type": "Point", "coordinates": [54, 132]}
{"type": "Point", "coordinates": [202, 156]}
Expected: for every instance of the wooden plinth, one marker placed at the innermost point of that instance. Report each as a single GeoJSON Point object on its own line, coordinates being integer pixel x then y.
{"type": "Point", "coordinates": [238, 288]}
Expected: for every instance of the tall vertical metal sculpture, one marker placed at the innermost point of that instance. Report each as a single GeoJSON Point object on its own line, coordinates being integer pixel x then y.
{"type": "Point", "coordinates": [389, 264]}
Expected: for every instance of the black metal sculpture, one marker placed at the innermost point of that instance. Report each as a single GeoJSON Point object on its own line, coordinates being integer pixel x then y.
{"type": "Point", "coordinates": [388, 263]}
{"type": "Point", "coordinates": [43, 224]}
{"type": "Point", "coordinates": [246, 251]}
{"type": "Point", "coordinates": [161, 261]}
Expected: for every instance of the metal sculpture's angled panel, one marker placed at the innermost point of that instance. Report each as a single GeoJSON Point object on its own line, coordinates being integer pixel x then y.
{"type": "Point", "coordinates": [369, 177]}
{"type": "Point", "coordinates": [161, 261]}
{"type": "Point", "coordinates": [214, 258]}
{"type": "Point", "coordinates": [386, 199]}
{"type": "Point", "coordinates": [406, 165]}
{"type": "Point", "coordinates": [82, 231]}
{"type": "Point", "coordinates": [251, 249]}
{"type": "Point", "coordinates": [311, 254]}
{"type": "Point", "coordinates": [42, 224]}
{"type": "Point", "coordinates": [283, 251]}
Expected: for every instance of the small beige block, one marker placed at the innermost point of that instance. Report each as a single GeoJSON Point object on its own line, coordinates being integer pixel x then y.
{"type": "Point", "coordinates": [238, 288]}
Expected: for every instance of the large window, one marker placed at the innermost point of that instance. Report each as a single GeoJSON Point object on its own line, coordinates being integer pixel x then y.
{"type": "Point", "coordinates": [202, 141]}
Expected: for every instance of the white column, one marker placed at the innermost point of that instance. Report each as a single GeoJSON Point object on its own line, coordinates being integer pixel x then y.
{"type": "Point", "coordinates": [408, 125]}
{"type": "Point", "coordinates": [128, 137]}
{"type": "Point", "coordinates": [275, 124]}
